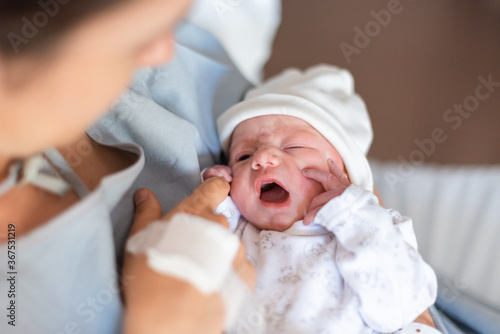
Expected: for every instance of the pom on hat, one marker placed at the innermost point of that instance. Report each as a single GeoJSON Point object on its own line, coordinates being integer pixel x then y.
{"type": "Point", "coordinates": [322, 96]}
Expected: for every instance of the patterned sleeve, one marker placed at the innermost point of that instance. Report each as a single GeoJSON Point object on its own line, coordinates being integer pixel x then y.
{"type": "Point", "coordinates": [378, 260]}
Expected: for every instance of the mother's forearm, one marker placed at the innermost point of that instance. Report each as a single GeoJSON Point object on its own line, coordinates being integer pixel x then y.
{"type": "Point", "coordinates": [163, 304]}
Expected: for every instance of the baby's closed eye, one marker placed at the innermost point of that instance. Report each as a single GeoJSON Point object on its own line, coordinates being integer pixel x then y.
{"type": "Point", "coordinates": [294, 147]}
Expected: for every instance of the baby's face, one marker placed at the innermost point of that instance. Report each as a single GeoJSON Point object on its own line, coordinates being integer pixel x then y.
{"type": "Point", "coordinates": [267, 156]}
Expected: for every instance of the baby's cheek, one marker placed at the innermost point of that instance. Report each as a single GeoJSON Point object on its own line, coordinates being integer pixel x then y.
{"type": "Point", "coordinates": [310, 189]}
{"type": "Point", "coordinates": [244, 204]}
{"type": "Point", "coordinates": [238, 191]}
{"type": "Point", "coordinates": [243, 197]}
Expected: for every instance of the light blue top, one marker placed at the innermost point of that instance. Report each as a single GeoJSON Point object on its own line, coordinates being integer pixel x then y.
{"type": "Point", "coordinates": [66, 270]}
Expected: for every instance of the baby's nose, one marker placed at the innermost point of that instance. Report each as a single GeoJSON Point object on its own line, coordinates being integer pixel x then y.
{"type": "Point", "coordinates": [266, 157]}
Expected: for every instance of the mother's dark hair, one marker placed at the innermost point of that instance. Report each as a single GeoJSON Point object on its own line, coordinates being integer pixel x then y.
{"type": "Point", "coordinates": [29, 26]}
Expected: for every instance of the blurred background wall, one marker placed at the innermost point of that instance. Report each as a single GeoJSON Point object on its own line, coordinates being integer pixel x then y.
{"type": "Point", "coordinates": [416, 63]}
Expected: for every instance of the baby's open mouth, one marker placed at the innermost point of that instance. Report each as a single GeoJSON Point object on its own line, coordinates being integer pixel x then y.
{"type": "Point", "coordinates": [273, 193]}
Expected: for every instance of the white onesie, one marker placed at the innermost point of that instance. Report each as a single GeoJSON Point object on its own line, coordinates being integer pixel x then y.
{"type": "Point", "coordinates": [356, 269]}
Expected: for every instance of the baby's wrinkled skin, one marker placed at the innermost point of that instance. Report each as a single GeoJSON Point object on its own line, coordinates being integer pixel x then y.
{"type": "Point", "coordinates": [281, 170]}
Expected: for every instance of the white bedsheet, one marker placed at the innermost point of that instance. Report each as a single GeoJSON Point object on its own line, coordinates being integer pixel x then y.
{"type": "Point", "coordinates": [456, 215]}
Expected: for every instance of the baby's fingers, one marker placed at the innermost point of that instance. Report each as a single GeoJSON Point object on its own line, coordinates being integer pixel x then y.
{"type": "Point", "coordinates": [309, 217]}
{"type": "Point", "coordinates": [322, 199]}
{"type": "Point", "coordinates": [338, 173]}
{"type": "Point", "coordinates": [227, 174]}
{"type": "Point", "coordinates": [216, 171]}
{"type": "Point", "coordinates": [328, 180]}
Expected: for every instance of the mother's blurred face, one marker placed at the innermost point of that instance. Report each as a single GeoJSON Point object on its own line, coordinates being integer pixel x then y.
{"type": "Point", "coordinates": [50, 101]}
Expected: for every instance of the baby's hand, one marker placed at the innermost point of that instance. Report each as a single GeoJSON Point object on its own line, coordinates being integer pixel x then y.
{"type": "Point", "coordinates": [218, 170]}
{"type": "Point", "coordinates": [334, 183]}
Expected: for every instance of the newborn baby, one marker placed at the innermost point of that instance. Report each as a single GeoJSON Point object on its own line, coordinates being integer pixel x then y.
{"type": "Point", "coordinates": [275, 169]}
{"type": "Point", "coordinates": [328, 257]}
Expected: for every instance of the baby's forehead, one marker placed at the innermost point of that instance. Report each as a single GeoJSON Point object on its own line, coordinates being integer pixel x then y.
{"type": "Point", "coordinates": [264, 127]}
{"type": "Point", "coordinates": [269, 123]}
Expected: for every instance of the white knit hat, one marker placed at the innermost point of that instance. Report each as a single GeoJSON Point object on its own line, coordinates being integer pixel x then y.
{"type": "Point", "coordinates": [322, 96]}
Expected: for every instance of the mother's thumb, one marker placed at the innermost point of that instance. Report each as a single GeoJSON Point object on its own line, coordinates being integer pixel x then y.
{"type": "Point", "coordinates": [147, 210]}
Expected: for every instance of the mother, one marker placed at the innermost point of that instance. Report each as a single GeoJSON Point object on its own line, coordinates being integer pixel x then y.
{"type": "Point", "coordinates": [62, 64]}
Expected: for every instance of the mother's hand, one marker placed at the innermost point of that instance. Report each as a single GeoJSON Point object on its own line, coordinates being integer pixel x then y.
{"type": "Point", "coordinates": [159, 303]}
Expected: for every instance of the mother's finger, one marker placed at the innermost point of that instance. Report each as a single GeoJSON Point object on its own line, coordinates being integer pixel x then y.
{"type": "Point", "coordinates": [210, 193]}
{"type": "Point", "coordinates": [147, 210]}
{"type": "Point", "coordinates": [205, 199]}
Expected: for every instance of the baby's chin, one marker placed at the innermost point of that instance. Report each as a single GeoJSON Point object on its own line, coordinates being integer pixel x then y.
{"type": "Point", "coordinates": [275, 224]}
{"type": "Point", "coordinates": [274, 220]}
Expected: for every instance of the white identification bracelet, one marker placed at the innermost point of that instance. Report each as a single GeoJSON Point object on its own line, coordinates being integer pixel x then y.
{"type": "Point", "coordinates": [189, 248]}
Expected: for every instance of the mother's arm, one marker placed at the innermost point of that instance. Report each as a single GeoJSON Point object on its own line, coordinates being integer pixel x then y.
{"type": "Point", "coordinates": [157, 303]}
